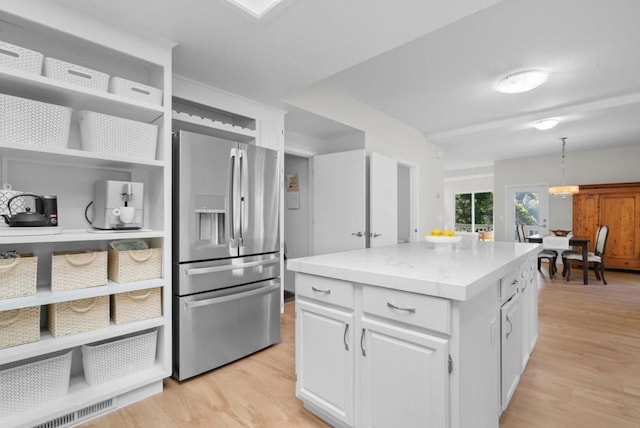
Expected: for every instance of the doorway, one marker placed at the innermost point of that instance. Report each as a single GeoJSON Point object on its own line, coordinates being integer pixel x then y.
{"type": "Point", "coordinates": [528, 205]}
{"type": "Point", "coordinates": [297, 213]}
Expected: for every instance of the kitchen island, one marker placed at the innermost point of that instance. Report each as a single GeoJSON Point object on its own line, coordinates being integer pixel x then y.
{"type": "Point", "coordinates": [418, 334]}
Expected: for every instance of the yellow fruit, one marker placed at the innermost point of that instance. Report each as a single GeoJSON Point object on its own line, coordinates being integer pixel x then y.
{"type": "Point", "coordinates": [436, 232]}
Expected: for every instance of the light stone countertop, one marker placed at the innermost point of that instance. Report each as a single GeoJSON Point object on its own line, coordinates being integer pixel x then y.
{"type": "Point", "coordinates": [452, 271]}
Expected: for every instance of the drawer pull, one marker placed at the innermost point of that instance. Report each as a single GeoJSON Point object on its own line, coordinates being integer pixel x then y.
{"type": "Point", "coordinates": [317, 290]}
{"type": "Point", "coordinates": [398, 308]}
{"type": "Point", "coordinates": [346, 330]}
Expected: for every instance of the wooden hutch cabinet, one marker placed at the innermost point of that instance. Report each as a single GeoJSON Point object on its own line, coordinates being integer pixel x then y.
{"type": "Point", "coordinates": [618, 206]}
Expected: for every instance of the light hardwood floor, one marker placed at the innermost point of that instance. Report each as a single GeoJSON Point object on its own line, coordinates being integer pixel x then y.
{"type": "Point", "coordinates": [584, 372]}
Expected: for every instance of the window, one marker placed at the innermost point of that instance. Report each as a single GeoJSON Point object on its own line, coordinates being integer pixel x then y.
{"type": "Point", "coordinates": [474, 212]}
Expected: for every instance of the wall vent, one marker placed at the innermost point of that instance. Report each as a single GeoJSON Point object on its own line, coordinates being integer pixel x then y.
{"type": "Point", "coordinates": [76, 417]}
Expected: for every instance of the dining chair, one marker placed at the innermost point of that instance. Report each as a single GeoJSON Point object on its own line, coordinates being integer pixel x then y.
{"type": "Point", "coordinates": [551, 256]}
{"type": "Point", "coordinates": [596, 258]}
{"type": "Point", "coordinates": [566, 253]}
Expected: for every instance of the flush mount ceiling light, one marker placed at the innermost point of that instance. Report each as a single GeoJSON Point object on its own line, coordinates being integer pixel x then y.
{"type": "Point", "coordinates": [545, 124]}
{"type": "Point", "coordinates": [522, 81]}
{"type": "Point", "coordinates": [256, 8]}
{"type": "Point", "coordinates": [564, 190]}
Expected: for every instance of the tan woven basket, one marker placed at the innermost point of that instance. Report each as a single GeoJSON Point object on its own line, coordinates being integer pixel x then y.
{"type": "Point", "coordinates": [135, 265]}
{"type": "Point", "coordinates": [19, 326]}
{"type": "Point", "coordinates": [18, 276]}
{"type": "Point", "coordinates": [136, 305]}
{"type": "Point", "coordinates": [78, 316]}
{"type": "Point", "coordinates": [74, 270]}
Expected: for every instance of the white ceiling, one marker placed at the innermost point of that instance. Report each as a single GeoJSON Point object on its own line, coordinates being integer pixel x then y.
{"type": "Point", "coordinates": [429, 63]}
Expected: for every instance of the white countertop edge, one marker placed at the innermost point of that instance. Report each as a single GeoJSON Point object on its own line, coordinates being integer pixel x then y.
{"type": "Point", "coordinates": [449, 290]}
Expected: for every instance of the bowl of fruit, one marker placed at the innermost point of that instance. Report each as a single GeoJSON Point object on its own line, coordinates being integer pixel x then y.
{"type": "Point", "coordinates": [442, 236]}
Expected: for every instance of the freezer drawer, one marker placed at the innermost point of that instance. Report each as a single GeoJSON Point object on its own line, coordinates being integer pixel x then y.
{"type": "Point", "coordinates": [211, 275]}
{"type": "Point", "coordinates": [213, 329]}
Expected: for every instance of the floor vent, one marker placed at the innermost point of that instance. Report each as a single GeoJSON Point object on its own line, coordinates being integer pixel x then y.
{"type": "Point", "coordinates": [76, 417]}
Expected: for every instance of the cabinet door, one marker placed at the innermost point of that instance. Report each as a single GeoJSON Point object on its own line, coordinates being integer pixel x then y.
{"type": "Point", "coordinates": [404, 377]}
{"type": "Point", "coordinates": [620, 212]}
{"type": "Point", "coordinates": [325, 361]}
{"type": "Point", "coordinates": [511, 347]}
{"type": "Point", "coordinates": [586, 216]}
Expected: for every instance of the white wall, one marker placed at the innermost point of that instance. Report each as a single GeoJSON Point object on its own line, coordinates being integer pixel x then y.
{"type": "Point", "coordinates": [299, 143]}
{"type": "Point", "coordinates": [614, 165]}
{"type": "Point", "coordinates": [389, 137]}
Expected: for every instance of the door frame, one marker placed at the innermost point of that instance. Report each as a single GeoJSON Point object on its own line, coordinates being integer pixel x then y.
{"type": "Point", "coordinates": [414, 199]}
{"type": "Point", "coordinates": [510, 191]}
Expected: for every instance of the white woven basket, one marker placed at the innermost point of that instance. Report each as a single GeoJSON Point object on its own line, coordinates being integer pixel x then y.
{"type": "Point", "coordinates": [20, 58]}
{"type": "Point", "coordinates": [31, 382]}
{"type": "Point", "coordinates": [75, 74]}
{"type": "Point", "coordinates": [107, 361]}
{"type": "Point", "coordinates": [135, 265]}
{"type": "Point", "coordinates": [137, 91]}
{"type": "Point", "coordinates": [136, 305]}
{"type": "Point", "coordinates": [33, 122]}
{"type": "Point", "coordinates": [117, 136]}
{"type": "Point", "coordinates": [78, 316]}
{"type": "Point", "coordinates": [18, 277]}
{"type": "Point", "coordinates": [19, 326]}
{"type": "Point", "coordinates": [75, 270]}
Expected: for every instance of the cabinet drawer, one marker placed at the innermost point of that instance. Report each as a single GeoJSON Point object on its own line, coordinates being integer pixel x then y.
{"type": "Point", "coordinates": [327, 290]}
{"type": "Point", "coordinates": [422, 311]}
{"type": "Point", "coordinates": [509, 285]}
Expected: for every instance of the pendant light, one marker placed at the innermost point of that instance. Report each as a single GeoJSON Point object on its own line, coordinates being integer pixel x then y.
{"type": "Point", "coordinates": [564, 190]}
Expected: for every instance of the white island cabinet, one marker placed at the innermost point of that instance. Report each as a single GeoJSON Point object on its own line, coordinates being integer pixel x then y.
{"type": "Point", "coordinates": [412, 334]}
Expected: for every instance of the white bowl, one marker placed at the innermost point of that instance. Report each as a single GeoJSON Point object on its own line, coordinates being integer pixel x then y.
{"type": "Point", "coordinates": [442, 239]}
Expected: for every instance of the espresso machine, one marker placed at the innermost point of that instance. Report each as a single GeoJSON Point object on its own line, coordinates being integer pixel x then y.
{"type": "Point", "coordinates": [118, 205]}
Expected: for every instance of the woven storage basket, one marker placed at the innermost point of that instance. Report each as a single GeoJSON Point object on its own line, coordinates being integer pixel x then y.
{"type": "Point", "coordinates": [106, 361]}
{"type": "Point", "coordinates": [136, 305]}
{"type": "Point", "coordinates": [33, 122]}
{"type": "Point", "coordinates": [19, 326]}
{"type": "Point", "coordinates": [75, 74]}
{"type": "Point", "coordinates": [31, 382]}
{"type": "Point", "coordinates": [117, 136]}
{"type": "Point", "coordinates": [78, 316]}
{"type": "Point", "coordinates": [20, 58]}
{"type": "Point", "coordinates": [74, 270]}
{"type": "Point", "coordinates": [18, 276]}
{"type": "Point", "coordinates": [137, 91]}
{"type": "Point", "coordinates": [135, 265]}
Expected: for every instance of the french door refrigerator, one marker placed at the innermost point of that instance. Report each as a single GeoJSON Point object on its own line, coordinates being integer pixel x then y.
{"type": "Point", "coordinates": [226, 262]}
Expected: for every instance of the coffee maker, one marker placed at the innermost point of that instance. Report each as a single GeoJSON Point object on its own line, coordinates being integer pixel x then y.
{"type": "Point", "coordinates": [118, 205]}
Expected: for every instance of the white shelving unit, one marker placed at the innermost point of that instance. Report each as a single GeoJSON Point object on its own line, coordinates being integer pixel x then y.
{"type": "Point", "coordinates": [70, 174]}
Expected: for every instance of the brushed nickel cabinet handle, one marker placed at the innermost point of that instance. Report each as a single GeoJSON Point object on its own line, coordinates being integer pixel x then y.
{"type": "Point", "coordinates": [317, 290]}
{"type": "Point", "coordinates": [364, 351]}
{"type": "Point", "coordinates": [398, 308]}
{"type": "Point", "coordinates": [346, 330]}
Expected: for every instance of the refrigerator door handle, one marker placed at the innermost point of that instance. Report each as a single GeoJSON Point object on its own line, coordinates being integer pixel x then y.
{"type": "Point", "coordinates": [201, 271]}
{"type": "Point", "coordinates": [244, 294]}
{"type": "Point", "coordinates": [244, 182]}
{"type": "Point", "coordinates": [233, 206]}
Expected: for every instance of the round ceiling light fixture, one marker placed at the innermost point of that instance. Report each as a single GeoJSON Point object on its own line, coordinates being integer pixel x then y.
{"type": "Point", "coordinates": [522, 81]}
{"type": "Point", "coordinates": [545, 124]}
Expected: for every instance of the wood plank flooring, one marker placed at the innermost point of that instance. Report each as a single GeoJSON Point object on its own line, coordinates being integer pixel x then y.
{"type": "Point", "coordinates": [584, 372]}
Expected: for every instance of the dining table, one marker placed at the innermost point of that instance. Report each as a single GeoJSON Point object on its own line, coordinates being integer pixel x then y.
{"type": "Point", "coordinates": [574, 241]}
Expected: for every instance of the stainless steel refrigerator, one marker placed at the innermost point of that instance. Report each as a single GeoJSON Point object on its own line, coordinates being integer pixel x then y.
{"type": "Point", "coordinates": [226, 262]}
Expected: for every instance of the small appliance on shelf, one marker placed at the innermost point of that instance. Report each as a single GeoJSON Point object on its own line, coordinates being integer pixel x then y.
{"type": "Point", "coordinates": [118, 205]}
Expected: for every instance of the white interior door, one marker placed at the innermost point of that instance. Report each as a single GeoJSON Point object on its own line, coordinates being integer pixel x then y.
{"type": "Point", "coordinates": [528, 205]}
{"type": "Point", "coordinates": [339, 201]}
{"type": "Point", "coordinates": [383, 200]}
